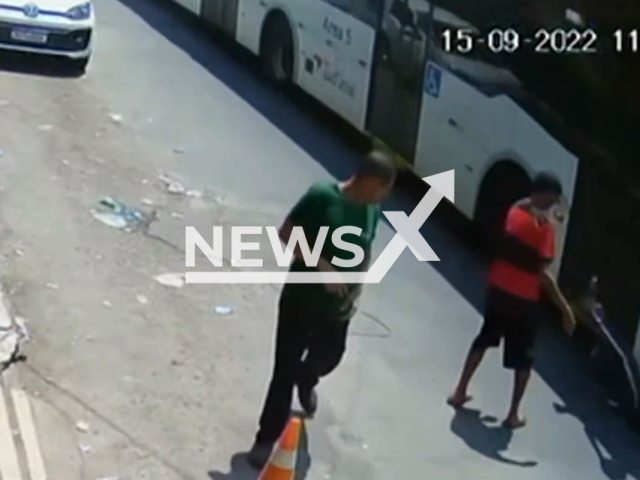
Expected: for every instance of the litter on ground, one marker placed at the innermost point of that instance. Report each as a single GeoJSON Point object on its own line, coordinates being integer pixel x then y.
{"type": "Point", "coordinates": [175, 280]}
{"type": "Point", "coordinates": [117, 214]}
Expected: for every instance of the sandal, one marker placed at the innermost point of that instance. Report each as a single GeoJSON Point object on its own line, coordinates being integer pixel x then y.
{"type": "Point", "coordinates": [453, 402]}
{"type": "Point", "coordinates": [514, 424]}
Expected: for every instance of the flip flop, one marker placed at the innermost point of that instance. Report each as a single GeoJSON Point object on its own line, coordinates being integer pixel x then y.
{"type": "Point", "coordinates": [514, 424]}
{"type": "Point", "coordinates": [457, 405]}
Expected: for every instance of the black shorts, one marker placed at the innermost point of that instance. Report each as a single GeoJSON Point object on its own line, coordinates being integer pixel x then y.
{"type": "Point", "coordinates": [516, 322]}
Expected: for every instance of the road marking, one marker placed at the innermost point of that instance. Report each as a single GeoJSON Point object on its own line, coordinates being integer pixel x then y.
{"type": "Point", "coordinates": [9, 466]}
{"type": "Point", "coordinates": [29, 436]}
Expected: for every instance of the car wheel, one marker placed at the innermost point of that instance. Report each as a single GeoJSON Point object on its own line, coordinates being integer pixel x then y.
{"type": "Point", "coordinates": [277, 51]}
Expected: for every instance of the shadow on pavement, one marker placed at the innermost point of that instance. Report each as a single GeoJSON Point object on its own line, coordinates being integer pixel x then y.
{"type": "Point", "coordinates": [241, 470]}
{"type": "Point", "coordinates": [616, 461]}
{"type": "Point", "coordinates": [40, 65]}
{"type": "Point", "coordinates": [480, 435]}
{"type": "Point", "coordinates": [315, 132]}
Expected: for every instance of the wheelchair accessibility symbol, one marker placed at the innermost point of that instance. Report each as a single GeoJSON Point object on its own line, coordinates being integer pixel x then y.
{"type": "Point", "coordinates": [434, 81]}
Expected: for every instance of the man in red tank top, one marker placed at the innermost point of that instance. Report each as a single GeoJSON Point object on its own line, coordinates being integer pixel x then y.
{"type": "Point", "coordinates": [526, 249]}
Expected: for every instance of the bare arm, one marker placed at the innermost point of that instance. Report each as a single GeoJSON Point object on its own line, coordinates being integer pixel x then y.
{"type": "Point", "coordinates": [551, 287]}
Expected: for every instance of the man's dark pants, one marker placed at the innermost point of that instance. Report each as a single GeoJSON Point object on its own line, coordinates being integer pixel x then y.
{"type": "Point", "coordinates": [302, 328]}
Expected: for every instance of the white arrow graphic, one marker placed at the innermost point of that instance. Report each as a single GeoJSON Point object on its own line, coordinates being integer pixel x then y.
{"type": "Point", "coordinates": [408, 228]}
{"type": "Point", "coordinates": [407, 235]}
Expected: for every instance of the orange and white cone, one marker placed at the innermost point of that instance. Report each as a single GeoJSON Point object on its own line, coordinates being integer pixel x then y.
{"type": "Point", "coordinates": [282, 464]}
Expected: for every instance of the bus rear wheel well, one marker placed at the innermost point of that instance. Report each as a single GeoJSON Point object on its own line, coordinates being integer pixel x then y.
{"type": "Point", "coordinates": [277, 48]}
{"type": "Point", "coordinates": [505, 183]}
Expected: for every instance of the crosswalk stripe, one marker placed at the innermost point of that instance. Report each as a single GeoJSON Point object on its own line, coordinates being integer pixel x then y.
{"type": "Point", "coordinates": [29, 436]}
{"type": "Point", "coordinates": [9, 466]}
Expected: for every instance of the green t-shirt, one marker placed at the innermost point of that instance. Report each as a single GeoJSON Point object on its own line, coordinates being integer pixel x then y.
{"type": "Point", "coordinates": [325, 204]}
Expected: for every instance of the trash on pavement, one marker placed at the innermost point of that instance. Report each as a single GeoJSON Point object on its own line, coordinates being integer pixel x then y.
{"type": "Point", "coordinates": [171, 185]}
{"type": "Point", "coordinates": [142, 300]}
{"type": "Point", "coordinates": [10, 338]}
{"type": "Point", "coordinates": [82, 426]}
{"type": "Point", "coordinates": [177, 215]}
{"type": "Point", "coordinates": [147, 201]}
{"type": "Point", "coordinates": [193, 193]}
{"type": "Point", "coordinates": [45, 128]}
{"type": "Point", "coordinates": [117, 214]}
{"type": "Point", "coordinates": [223, 309]}
{"type": "Point", "coordinates": [21, 328]}
{"type": "Point", "coordinates": [175, 280]}
{"type": "Point", "coordinates": [110, 219]}
{"type": "Point", "coordinates": [19, 252]}
{"type": "Point", "coordinates": [65, 162]}
{"type": "Point", "coordinates": [116, 117]}
{"type": "Point", "coordinates": [84, 448]}
{"type": "Point", "coordinates": [53, 286]}
{"type": "Point", "coordinates": [109, 478]}
{"type": "Point", "coordinates": [107, 303]}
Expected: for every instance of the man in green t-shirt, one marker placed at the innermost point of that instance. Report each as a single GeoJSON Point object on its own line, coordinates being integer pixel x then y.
{"type": "Point", "coordinates": [313, 319]}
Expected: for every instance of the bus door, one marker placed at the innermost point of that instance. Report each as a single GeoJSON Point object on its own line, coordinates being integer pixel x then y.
{"type": "Point", "coordinates": [222, 14]}
{"type": "Point", "coordinates": [337, 63]}
{"type": "Point", "coordinates": [402, 46]}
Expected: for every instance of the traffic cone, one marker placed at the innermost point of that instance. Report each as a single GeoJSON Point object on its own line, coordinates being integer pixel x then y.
{"type": "Point", "coordinates": [282, 464]}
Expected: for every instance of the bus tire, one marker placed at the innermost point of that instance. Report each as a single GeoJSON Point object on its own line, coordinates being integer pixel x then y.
{"type": "Point", "coordinates": [503, 185]}
{"type": "Point", "coordinates": [277, 50]}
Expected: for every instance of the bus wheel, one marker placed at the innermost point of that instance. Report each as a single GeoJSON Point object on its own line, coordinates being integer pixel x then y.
{"type": "Point", "coordinates": [505, 184]}
{"type": "Point", "coordinates": [276, 52]}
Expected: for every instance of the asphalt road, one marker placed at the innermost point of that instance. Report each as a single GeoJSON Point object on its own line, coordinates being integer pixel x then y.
{"type": "Point", "coordinates": [169, 389]}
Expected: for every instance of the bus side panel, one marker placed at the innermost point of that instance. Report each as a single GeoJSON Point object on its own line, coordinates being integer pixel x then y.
{"type": "Point", "coordinates": [453, 132]}
{"type": "Point", "coordinates": [603, 240]}
{"type": "Point", "coordinates": [192, 5]}
{"type": "Point", "coordinates": [222, 14]}
{"type": "Point", "coordinates": [348, 74]}
{"type": "Point", "coordinates": [251, 15]}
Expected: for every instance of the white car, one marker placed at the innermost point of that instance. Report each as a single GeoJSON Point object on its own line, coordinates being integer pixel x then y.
{"type": "Point", "coordinates": [54, 27]}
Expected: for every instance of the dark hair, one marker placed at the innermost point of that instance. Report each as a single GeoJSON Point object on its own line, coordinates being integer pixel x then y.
{"type": "Point", "coordinates": [545, 182]}
{"type": "Point", "coordinates": [378, 164]}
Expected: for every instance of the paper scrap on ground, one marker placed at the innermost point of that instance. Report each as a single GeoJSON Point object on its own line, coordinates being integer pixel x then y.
{"type": "Point", "coordinates": [175, 280]}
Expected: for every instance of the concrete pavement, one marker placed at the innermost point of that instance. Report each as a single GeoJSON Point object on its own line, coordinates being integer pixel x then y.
{"type": "Point", "coordinates": [169, 389]}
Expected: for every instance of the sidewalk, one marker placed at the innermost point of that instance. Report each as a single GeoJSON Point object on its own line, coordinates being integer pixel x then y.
{"type": "Point", "coordinates": [20, 455]}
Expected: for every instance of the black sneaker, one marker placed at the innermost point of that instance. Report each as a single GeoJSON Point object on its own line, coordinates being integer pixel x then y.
{"type": "Point", "coordinates": [259, 455]}
{"type": "Point", "coordinates": [309, 400]}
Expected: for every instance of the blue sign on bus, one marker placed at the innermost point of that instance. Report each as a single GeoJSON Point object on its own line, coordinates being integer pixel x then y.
{"type": "Point", "coordinates": [433, 80]}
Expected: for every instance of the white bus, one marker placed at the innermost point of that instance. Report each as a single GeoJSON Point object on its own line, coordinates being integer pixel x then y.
{"type": "Point", "coordinates": [433, 84]}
